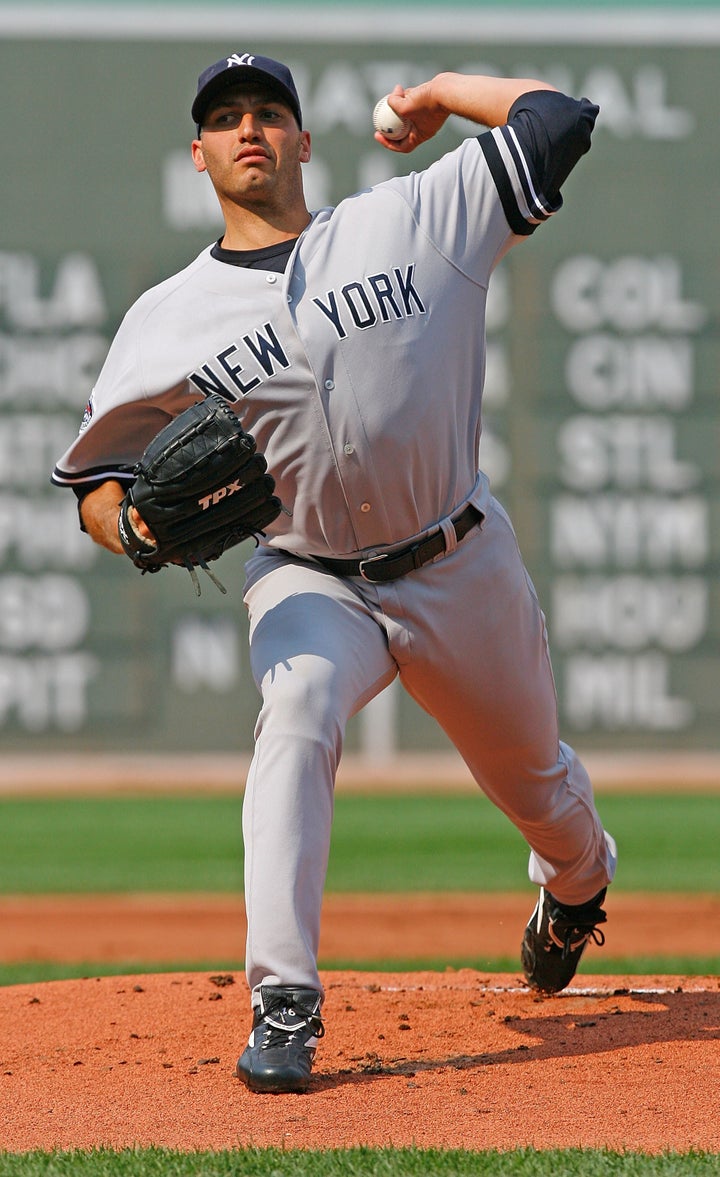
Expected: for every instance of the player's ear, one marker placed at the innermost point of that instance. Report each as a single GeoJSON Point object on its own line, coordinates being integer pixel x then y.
{"type": "Point", "coordinates": [197, 156]}
{"type": "Point", "coordinates": [305, 149]}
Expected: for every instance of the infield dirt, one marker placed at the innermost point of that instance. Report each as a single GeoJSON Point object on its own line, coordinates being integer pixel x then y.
{"type": "Point", "coordinates": [356, 928]}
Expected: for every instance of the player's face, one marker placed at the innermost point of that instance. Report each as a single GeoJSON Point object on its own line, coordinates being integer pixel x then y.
{"type": "Point", "coordinates": [252, 148]}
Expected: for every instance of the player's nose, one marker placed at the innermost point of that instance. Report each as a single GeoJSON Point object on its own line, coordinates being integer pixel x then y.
{"type": "Point", "coordinates": [249, 126]}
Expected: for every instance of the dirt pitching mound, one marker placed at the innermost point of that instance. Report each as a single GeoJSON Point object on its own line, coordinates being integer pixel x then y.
{"type": "Point", "coordinates": [455, 1060]}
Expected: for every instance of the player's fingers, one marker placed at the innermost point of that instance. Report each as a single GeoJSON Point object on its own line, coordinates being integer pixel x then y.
{"type": "Point", "coordinates": [139, 525]}
{"type": "Point", "coordinates": [402, 146]}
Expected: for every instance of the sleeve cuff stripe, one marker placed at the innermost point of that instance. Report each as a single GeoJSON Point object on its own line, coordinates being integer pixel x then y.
{"type": "Point", "coordinates": [541, 207]}
{"type": "Point", "coordinates": [63, 478]}
{"type": "Point", "coordinates": [532, 207]}
{"type": "Point", "coordinates": [520, 225]}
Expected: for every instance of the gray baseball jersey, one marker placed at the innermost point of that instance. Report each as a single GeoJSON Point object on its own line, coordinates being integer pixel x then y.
{"type": "Point", "coordinates": [367, 352]}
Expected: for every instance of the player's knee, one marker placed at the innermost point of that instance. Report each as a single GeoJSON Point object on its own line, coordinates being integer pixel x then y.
{"type": "Point", "coordinates": [299, 704]}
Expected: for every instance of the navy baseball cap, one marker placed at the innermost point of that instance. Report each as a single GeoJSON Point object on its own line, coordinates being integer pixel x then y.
{"type": "Point", "coordinates": [244, 67]}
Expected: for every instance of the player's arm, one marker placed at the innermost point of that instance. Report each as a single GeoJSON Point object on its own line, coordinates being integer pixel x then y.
{"type": "Point", "coordinates": [483, 100]}
{"type": "Point", "coordinates": [99, 512]}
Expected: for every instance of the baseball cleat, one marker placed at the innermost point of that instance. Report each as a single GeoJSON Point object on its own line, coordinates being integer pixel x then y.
{"type": "Point", "coordinates": [280, 1052]}
{"type": "Point", "coordinates": [556, 938]}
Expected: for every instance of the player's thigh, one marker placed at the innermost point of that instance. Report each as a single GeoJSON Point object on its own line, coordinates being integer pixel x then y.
{"type": "Point", "coordinates": [314, 646]}
{"type": "Point", "coordinates": [480, 663]}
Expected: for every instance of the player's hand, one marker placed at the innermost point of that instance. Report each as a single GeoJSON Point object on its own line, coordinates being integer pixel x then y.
{"type": "Point", "coordinates": [424, 112]}
{"type": "Point", "coordinates": [481, 99]}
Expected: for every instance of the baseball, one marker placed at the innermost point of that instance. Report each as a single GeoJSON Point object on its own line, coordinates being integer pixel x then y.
{"type": "Point", "coordinates": [387, 122]}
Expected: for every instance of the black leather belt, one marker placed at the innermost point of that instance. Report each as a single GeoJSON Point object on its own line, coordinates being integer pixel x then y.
{"type": "Point", "coordinates": [391, 565]}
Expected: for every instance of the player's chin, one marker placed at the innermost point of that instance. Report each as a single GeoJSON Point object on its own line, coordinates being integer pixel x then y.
{"type": "Point", "coordinates": [245, 171]}
{"type": "Point", "coordinates": [253, 185]}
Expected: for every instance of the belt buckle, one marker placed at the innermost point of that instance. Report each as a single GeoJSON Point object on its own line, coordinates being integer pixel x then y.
{"type": "Point", "coordinates": [371, 560]}
{"type": "Point", "coordinates": [411, 551]}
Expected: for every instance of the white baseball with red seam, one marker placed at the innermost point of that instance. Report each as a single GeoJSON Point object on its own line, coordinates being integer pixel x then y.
{"type": "Point", "coordinates": [388, 123]}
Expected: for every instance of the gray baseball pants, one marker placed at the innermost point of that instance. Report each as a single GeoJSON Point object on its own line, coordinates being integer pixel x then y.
{"type": "Point", "coordinates": [467, 637]}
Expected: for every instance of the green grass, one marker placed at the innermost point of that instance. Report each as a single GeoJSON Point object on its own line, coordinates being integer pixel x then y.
{"type": "Point", "coordinates": [105, 844]}
{"type": "Point", "coordinates": [35, 972]}
{"type": "Point", "coordinates": [355, 1162]}
{"type": "Point", "coordinates": [386, 843]}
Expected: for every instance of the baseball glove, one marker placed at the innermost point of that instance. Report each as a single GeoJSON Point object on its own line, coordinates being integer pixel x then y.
{"type": "Point", "coordinates": [200, 487]}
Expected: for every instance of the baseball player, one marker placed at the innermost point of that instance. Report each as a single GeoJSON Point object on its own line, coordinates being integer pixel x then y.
{"type": "Point", "coordinates": [350, 342]}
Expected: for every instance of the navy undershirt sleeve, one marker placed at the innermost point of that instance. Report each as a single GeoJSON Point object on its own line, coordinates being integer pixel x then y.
{"type": "Point", "coordinates": [554, 131]}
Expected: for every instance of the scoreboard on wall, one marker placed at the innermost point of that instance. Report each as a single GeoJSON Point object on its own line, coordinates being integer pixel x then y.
{"type": "Point", "coordinates": [602, 406]}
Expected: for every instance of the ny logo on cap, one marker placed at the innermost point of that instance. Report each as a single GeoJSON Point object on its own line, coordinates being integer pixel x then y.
{"type": "Point", "coordinates": [241, 59]}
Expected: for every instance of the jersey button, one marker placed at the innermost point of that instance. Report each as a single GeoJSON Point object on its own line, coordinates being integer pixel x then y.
{"type": "Point", "coordinates": [365, 507]}
{"type": "Point", "coordinates": [349, 449]}
{"type": "Point", "coordinates": [271, 278]}
{"type": "Point", "coordinates": [329, 384]}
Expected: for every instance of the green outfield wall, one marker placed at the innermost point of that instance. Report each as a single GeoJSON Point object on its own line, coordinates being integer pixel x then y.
{"type": "Point", "coordinates": [602, 406]}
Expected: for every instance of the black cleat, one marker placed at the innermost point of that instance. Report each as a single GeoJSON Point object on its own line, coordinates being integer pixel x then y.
{"type": "Point", "coordinates": [286, 1028]}
{"type": "Point", "coordinates": [556, 938]}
